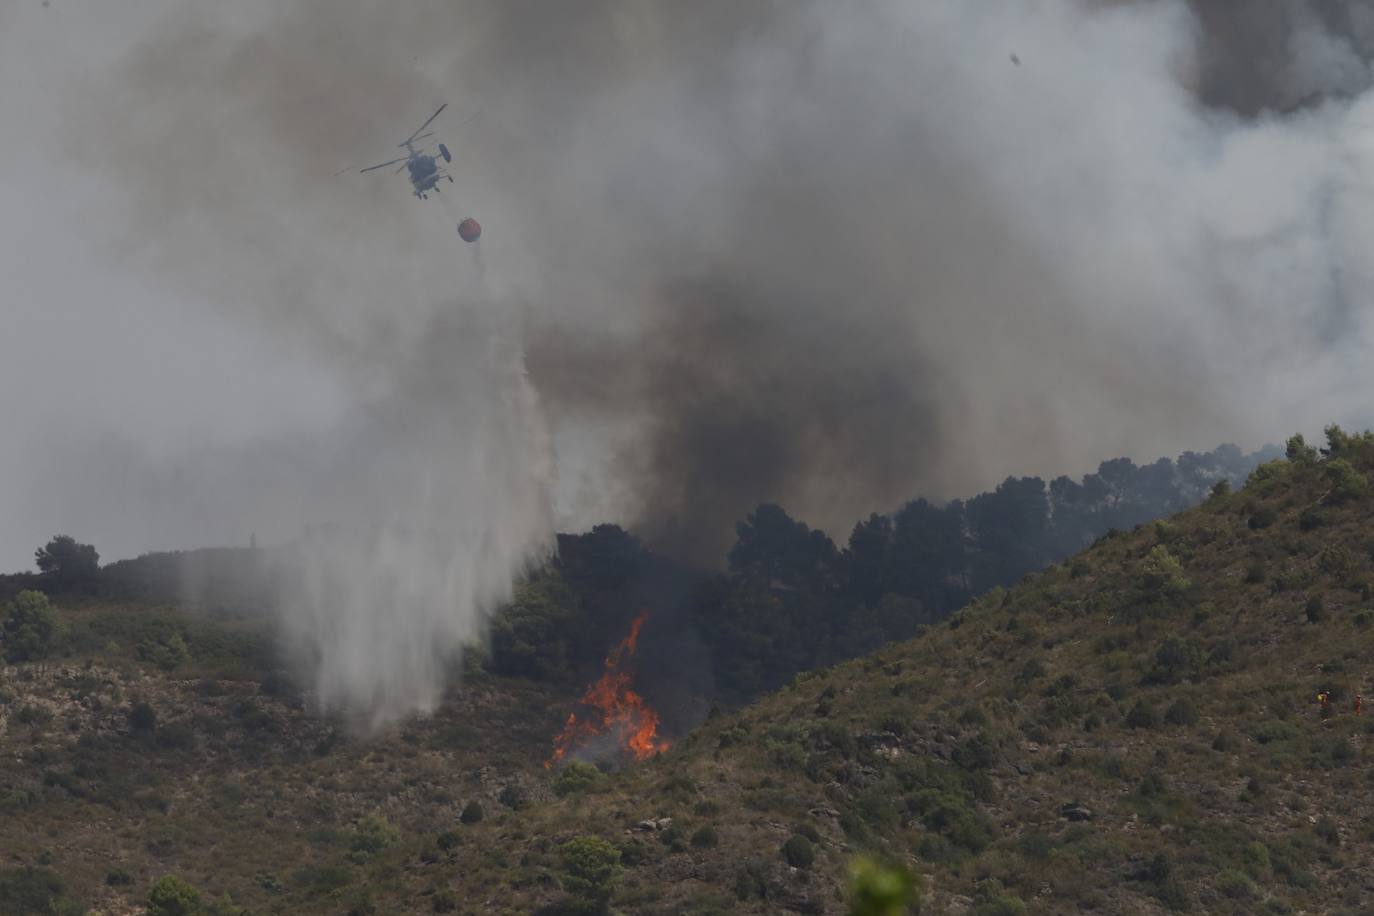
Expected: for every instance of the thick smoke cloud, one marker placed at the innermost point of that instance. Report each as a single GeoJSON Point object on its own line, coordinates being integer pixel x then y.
{"type": "Point", "coordinates": [828, 255]}
{"type": "Point", "coordinates": [1280, 55]}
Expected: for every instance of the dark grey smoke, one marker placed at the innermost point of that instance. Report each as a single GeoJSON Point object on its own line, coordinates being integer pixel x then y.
{"type": "Point", "coordinates": [1281, 55]}
{"type": "Point", "coordinates": [745, 400]}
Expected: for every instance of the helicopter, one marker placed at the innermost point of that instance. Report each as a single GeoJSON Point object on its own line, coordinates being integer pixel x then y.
{"type": "Point", "coordinates": [425, 170]}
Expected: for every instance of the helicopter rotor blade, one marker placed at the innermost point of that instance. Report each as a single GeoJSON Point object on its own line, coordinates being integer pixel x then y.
{"type": "Point", "coordinates": [383, 165]}
{"type": "Point", "coordinates": [467, 119]}
{"type": "Point", "coordinates": [398, 171]}
{"type": "Point", "coordinates": [427, 123]}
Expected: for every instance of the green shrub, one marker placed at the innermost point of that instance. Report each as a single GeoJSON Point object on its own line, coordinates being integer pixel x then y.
{"type": "Point", "coordinates": [142, 718]}
{"type": "Point", "coordinates": [472, 812]}
{"type": "Point", "coordinates": [1311, 518]}
{"type": "Point", "coordinates": [1299, 452]}
{"type": "Point", "coordinates": [1236, 885]}
{"type": "Point", "coordinates": [589, 868]}
{"type": "Point", "coordinates": [444, 902]}
{"type": "Point", "coordinates": [577, 777]}
{"type": "Point", "coordinates": [1290, 863]}
{"type": "Point", "coordinates": [269, 882]}
{"type": "Point", "coordinates": [118, 877]}
{"type": "Point", "coordinates": [1176, 660]}
{"type": "Point", "coordinates": [1162, 575]}
{"type": "Point", "coordinates": [952, 817]}
{"type": "Point", "coordinates": [167, 650]}
{"type": "Point", "coordinates": [674, 837]}
{"type": "Point", "coordinates": [991, 899]}
{"type": "Point", "coordinates": [1157, 870]}
{"type": "Point", "coordinates": [1263, 517]}
{"type": "Point", "coordinates": [363, 905]}
{"type": "Point", "coordinates": [1152, 785]}
{"type": "Point", "coordinates": [512, 796]}
{"type": "Point", "coordinates": [798, 851]}
{"type": "Point", "coordinates": [975, 753]}
{"type": "Point", "coordinates": [1141, 716]}
{"type": "Point", "coordinates": [877, 889]}
{"type": "Point", "coordinates": [734, 734]}
{"type": "Point", "coordinates": [34, 892]}
{"type": "Point", "coordinates": [1173, 895]}
{"type": "Point", "coordinates": [1182, 712]}
{"type": "Point", "coordinates": [633, 852]}
{"type": "Point", "coordinates": [31, 628]}
{"type": "Point", "coordinates": [1273, 730]}
{"type": "Point", "coordinates": [171, 896]}
{"type": "Point", "coordinates": [372, 834]}
{"type": "Point", "coordinates": [323, 878]}
{"type": "Point", "coordinates": [705, 837]}
{"type": "Point", "coordinates": [532, 636]}
{"type": "Point", "coordinates": [1340, 752]}
{"type": "Point", "coordinates": [1346, 482]}
{"type": "Point", "coordinates": [1255, 858]}
{"type": "Point", "coordinates": [751, 880]}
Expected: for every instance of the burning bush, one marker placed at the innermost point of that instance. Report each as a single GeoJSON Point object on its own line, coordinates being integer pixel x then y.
{"type": "Point", "coordinates": [612, 712]}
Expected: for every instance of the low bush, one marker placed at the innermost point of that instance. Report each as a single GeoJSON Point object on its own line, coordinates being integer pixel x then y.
{"type": "Point", "coordinates": [1236, 885]}
{"type": "Point", "coordinates": [577, 776]}
{"type": "Point", "coordinates": [372, 834]}
{"type": "Point", "coordinates": [472, 812]}
{"type": "Point", "coordinates": [34, 892]}
{"type": "Point", "coordinates": [798, 852]}
{"type": "Point", "coordinates": [171, 896]}
{"type": "Point", "coordinates": [705, 837]}
{"type": "Point", "coordinates": [1141, 716]}
{"type": "Point", "coordinates": [1182, 712]}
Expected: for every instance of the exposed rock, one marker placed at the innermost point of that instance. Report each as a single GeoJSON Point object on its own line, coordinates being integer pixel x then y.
{"type": "Point", "coordinates": [1076, 813]}
{"type": "Point", "coordinates": [655, 824]}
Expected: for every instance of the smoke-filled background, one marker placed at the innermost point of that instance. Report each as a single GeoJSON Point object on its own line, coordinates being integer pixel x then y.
{"type": "Point", "coordinates": [830, 255]}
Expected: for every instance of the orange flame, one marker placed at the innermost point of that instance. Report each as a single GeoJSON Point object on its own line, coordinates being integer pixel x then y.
{"type": "Point", "coordinates": [614, 709]}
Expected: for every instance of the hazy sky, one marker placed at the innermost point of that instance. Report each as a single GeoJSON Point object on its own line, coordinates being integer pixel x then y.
{"type": "Point", "coordinates": [833, 255]}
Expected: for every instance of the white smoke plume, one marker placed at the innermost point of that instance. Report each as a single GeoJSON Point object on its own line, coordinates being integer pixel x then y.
{"type": "Point", "coordinates": [449, 504]}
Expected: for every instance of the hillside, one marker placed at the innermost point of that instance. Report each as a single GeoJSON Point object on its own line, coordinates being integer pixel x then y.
{"type": "Point", "coordinates": [1134, 730]}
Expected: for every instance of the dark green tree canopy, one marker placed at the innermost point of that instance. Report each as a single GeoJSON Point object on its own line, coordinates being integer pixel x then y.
{"type": "Point", "coordinates": [773, 547]}
{"type": "Point", "coordinates": [590, 866]}
{"type": "Point", "coordinates": [66, 560]}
